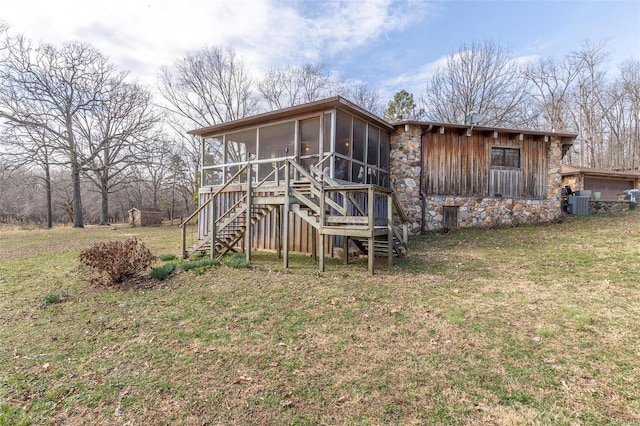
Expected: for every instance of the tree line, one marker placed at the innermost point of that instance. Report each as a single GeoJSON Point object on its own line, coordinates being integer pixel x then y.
{"type": "Point", "coordinates": [577, 93]}
{"type": "Point", "coordinates": [81, 140]}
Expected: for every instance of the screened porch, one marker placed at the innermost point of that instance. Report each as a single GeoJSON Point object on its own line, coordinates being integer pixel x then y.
{"type": "Point", "coordinates": [335, 142]}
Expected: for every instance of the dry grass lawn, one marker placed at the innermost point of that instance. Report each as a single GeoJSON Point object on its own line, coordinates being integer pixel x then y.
{"type": "Point", "coordinates": [519, 326]}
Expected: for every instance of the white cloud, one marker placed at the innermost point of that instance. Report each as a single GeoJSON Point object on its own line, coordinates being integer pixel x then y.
{"type": "Point", "coordinates": [141, 36]}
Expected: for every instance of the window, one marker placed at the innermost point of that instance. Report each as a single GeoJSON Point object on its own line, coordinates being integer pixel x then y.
{"type": "Point", "coordinates": [343, 133]}
{"type": "Point", "coordinates": [508, 158]}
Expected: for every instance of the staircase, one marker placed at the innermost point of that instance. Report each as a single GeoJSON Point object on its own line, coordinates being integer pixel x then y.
{"type": "Point", "coordinates": [347, 217]}
{"type": "Point", "coordinates": [358, 212]}
{"type": "Point", "coordinates": [230, 230]}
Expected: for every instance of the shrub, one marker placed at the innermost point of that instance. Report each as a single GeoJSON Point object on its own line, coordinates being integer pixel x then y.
{"type": "Point", "coordinates": [162, 272]}
{"type": "Point", "coordinates": [237, 260]}
{"type": "Point", "coordinates": [199, 265]}
{"type": "Point", "coordinates": [52, 298]}
{"type": "Point", "coordinates": [116, 261]}
{"type": "Point", "coordinates": [168, 257]}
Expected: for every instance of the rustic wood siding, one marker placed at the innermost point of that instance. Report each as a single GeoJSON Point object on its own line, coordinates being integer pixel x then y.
{"type": "Point", "coordinates": [301, 236]}
{"type": "Point", "coordinates": [457, 164]}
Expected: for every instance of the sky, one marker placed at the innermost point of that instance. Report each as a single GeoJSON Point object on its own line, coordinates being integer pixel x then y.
{"type": "Point", "coordinates": [387, 45]}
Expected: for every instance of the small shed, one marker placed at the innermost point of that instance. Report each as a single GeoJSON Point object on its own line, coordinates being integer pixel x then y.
{"type": "Point", "coordinates": [144, 217]}
{"type": "Point", "coordinates": [609, 183]}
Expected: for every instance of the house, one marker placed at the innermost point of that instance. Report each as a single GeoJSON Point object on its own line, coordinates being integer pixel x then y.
{"type": "Point", "coordinates": [610, 184]}
{"type": "Point", "coordinates": [450, 175]}
{"type": "Point", "coordinates": [329, 177]}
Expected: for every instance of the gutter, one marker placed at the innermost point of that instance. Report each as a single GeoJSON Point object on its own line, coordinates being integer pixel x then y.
{"type": "Point", "coordinates": [423, 196]}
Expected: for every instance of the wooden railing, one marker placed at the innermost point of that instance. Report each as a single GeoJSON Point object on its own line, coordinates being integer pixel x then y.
{"type": "Point", "coordinates": [363, 211]}
{"type": "Point", "coordinates": [204, 205]}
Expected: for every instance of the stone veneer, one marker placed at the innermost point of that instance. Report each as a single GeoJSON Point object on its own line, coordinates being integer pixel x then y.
{"type": "Point", "coordinates": [405, 163]}
{"type": "Point", "coordinates": [609, 206]}
{"type": "Point", "coordinates": [472, 211]}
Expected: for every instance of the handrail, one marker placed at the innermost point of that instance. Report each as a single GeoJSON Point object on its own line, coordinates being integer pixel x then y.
{"type": "Point", "coordinates": [266, 178]}
{"type": "Point", "coordinates": [316, 167]}
{"type": "Point", "coordinates": [237, 203]}
{"type": "Point", "coordinates": [199, 209]}
{"type": "Point", "coordinates": [403, 218]}
{"type": "Point", "coordinates": [305, 173]}
{"type": "Point", "coordinates": [241, 200]}
{"type": "Point", "coordinates": [398, 208]}
{"type": "Point", "coordinates": [205, 204]}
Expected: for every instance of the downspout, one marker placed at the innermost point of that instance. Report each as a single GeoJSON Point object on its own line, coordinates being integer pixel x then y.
{"type": "Point", "coordinates": [423, 196]}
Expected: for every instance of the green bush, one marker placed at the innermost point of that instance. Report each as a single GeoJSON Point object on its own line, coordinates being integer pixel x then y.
{"type": "Point", "coordinates": [199, 265]}
{"type": "Point", "coordinates": [52, 298]}
{"type": "Point", "coordinates": [116, 261]}
{"type": "Point", "coordinates": [167, 257]}
{"type": "Point", "coordinates": [162, 272]}
{"type": "Point", "coordinates": [237, 260]}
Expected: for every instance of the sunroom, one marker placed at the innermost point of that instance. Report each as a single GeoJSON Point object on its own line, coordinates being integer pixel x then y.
{"type": "Point", "coordinates": [335, 136]}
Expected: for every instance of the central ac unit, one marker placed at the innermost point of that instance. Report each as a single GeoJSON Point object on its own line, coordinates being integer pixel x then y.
{"type": "Point", "coordinates": [579, 204]}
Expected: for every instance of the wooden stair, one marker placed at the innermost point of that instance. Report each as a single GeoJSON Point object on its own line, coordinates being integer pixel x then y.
{"type": "Point", "coordinates": [357, 212]}
{"type": "Point", "coordinates": [380, 246]}
{"type": "Point", "coordinates": [230, 229]}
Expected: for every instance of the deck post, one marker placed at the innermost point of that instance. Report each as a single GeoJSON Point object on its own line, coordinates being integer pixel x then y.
{"type": "Point", "coordinates": [184, 240]}
{"type": "Point", "coordinates": [247, 232]}
{"type": "Point", "coordinates": [321, 227]}
{"type": "Point", "coordinates": [278, 232]}
{"type": "Point", "coordinates": [345, 249]}
{"type": "Point", "coordinates": [371, 252]}
{"type": "Point", "coordinates": [285, 217]}
{"type": "Point", "coordinates": [314, 244]}
{"type": "Point", "coordinates": [212, 226]}
{"type": "Point", "coordinates": [405, 232]}
{"type": "Point", "coordinates": [389, 231]}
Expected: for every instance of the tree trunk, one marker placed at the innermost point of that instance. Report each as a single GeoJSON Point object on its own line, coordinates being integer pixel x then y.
{"type": "Point", "coordinates": [77, 198]}
{"type": "Point", "coordinates": [104, 212]}
{"type": "Point", "coordinates": [47, 184]}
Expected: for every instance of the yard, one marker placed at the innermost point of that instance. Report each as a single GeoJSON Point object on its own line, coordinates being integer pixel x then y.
{"type": "Point", "coordinates": [526, 325]}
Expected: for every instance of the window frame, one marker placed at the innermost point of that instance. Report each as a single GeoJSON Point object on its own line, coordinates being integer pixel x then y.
{"type": "Point", "coordinates": [503, 165]}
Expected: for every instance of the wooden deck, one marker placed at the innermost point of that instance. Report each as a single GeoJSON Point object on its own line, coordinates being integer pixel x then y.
{"type": "Point", "coordinates": [302, 211]}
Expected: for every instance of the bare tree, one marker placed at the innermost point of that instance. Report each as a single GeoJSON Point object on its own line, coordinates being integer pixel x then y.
{"type": "Point", "coordinates": [550, 83]}
{"type": "Point", "coordinates": [208, 87]}
{"type": "Point", "coordinates": [630, 82]}
{"type": "Point", "coordinates": [155, 167]}
{"type": "Point", "coordinates": [30, 149]}
{"type": "Point", "coordinates": [620, 105]}
{"type": "Point", "coordinates": [587, 96]}
{"type": "Point", "coordinates": [295, 85]}
{"type": "Point", "coordinates": [177, 186]}
{"type": "Point", "coordinates": [361, 95]}
{"type": "Point", "coordinates": [47, 88]}
{"type": "Point", "coordinates": [116, 135]}
{"type": "Point", "coordinates": [479, 78]}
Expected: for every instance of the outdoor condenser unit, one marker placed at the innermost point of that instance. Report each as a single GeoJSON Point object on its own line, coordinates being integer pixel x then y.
{"type": "Point", "coordinates": [579, 204]}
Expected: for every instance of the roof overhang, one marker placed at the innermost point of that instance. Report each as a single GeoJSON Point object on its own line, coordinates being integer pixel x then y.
{"type": "Point", "coordinates": [291, 112]}
{"type": "Point", "coordinates": [565, 137]}
{"type": "Point", "coordinates": [586, 171]}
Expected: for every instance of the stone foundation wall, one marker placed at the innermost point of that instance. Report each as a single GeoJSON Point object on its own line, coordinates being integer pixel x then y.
{"type": "Point", "coordinates": [491, 212]}
{"type": "Point", "coordinates": [608, 206]}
